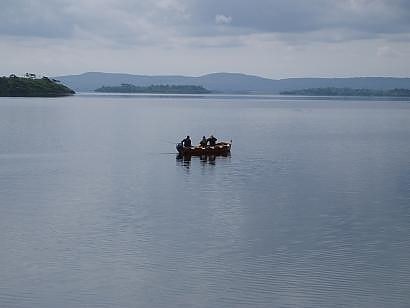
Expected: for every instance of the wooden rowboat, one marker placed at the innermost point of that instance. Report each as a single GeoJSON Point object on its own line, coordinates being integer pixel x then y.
{"type": "Point", "coordinates": [221, 148]}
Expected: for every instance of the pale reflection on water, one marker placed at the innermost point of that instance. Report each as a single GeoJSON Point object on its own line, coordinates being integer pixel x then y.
{"type": "Point", "coordinates": [311, 209]}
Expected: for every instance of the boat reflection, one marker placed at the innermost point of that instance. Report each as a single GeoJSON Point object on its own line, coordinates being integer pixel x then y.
{"type": "Point", "coordinates": [185, 160]}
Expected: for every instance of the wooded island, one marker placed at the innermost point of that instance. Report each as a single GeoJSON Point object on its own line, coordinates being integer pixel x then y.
{"type": "Point", "coordinates": [159, 89]}
{"type": "Point", "coordinates": [30, 86]}
{"type": "Point", "coordinates": [348, 92]}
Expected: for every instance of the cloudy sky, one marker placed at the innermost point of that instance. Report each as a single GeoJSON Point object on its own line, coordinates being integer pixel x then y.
{"type": "Point", "coordinates": [271, 38]}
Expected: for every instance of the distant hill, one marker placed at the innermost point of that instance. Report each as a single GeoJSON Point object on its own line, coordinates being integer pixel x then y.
{"type": "Point", "coordinates": [231, 82]}
{"type": "Point", "coordinates": [32, 87]}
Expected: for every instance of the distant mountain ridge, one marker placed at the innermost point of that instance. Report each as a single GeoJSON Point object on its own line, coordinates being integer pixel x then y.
{"type": "Point", "coordinates": [231, 82]}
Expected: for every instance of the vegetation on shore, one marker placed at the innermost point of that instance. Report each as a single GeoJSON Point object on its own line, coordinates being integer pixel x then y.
{"type": "Point", "coordinates": [30, 86]}
{"type": "Point", "coordinates": [160, 89]}
{"type": "Point", "coordinates": [349, 92]}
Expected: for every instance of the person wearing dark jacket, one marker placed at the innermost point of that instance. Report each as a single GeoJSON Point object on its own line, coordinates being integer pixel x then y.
{"type": "Point", "coordinates": [212, 140]}
{"type": "Point", "coordinates": [203, 142]}
{"type": "Point", "coordinates": [187, 142]}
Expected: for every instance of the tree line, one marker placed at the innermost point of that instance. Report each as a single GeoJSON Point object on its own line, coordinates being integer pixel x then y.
{"type": "Point", "coordinates": [167, 89]}
{"type": "Point", "coordinates": [330, 91]}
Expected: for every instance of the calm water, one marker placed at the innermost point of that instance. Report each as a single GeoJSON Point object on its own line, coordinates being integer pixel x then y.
{"type": "Point", "coordinates": [312, 209]}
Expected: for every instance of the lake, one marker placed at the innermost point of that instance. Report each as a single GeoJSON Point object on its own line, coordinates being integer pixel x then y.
{"type": "Point", "coordinates": [311, 209]}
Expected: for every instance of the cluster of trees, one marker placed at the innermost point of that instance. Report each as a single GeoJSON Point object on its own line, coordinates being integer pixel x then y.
{"type": "Point", "coordinates": [167, 89]}
{"type": "Point", "coordinates": [30, 86]}
{"type": "Point", "coordinates": [348, 92]}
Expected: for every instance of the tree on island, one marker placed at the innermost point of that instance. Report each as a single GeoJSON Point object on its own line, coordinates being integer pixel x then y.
{"type": "Point", "coordinates": [30, 75]}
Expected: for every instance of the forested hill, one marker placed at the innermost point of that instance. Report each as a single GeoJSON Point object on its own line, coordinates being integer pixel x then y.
{"type": "Point", "coordinates": [32, 87]}
{"type": "Point", "coordinates": [165, 89]}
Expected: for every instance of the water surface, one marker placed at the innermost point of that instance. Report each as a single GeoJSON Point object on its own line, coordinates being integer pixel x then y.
{"type": "Point", "coordinates": [310, 210]}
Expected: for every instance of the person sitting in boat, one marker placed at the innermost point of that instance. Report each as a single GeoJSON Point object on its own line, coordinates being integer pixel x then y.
{"type": "Point", "coordinates": [212, 140]}
{"type": "Point", "coordinates": [187, 142]}
{"type": "Point", "coordinates": [203, 142]}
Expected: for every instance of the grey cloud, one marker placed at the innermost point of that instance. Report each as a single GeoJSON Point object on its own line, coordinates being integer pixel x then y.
{"type": "Point", "coordinates": [30, 18]}
{"type": "Point", "coordinates": [260, 15]}
{"type": "Point", "coordinates": [114, 20]}
{"type": "Point", "coordinates": [150, 22]}
{"type": "Point", "coordinates": [296, 16]}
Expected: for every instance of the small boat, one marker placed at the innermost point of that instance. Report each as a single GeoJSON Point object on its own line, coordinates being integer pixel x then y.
{"type": "Point", "coordinates": [221, 148]}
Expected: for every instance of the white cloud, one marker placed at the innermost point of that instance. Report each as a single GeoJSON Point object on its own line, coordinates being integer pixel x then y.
{"type": "Point", "coordinates": [387, 51]}
{"type": "Point", "coordinates": [221, 19]}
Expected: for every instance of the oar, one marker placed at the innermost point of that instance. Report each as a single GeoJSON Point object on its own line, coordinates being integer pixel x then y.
{"type": "Point", "coordinates": [168, 141]}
